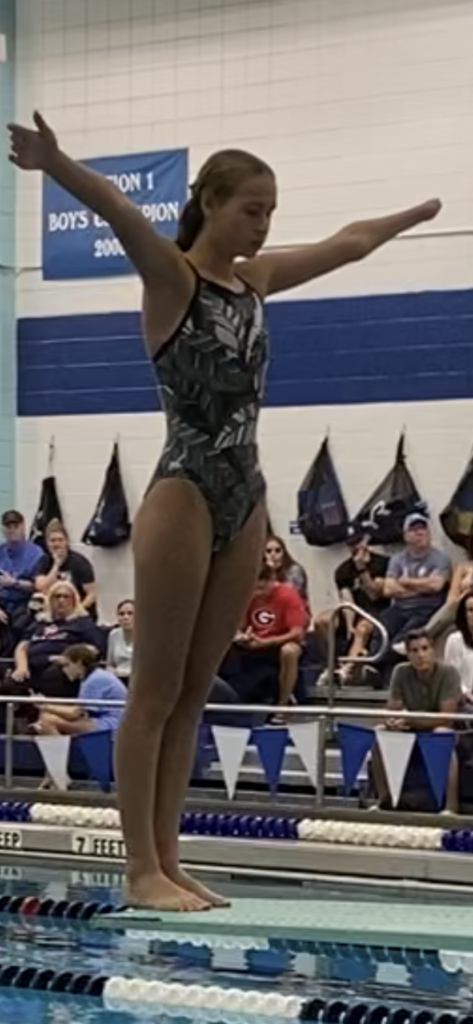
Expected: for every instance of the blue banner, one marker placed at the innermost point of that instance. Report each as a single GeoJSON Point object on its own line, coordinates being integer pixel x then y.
{"type": "Point", "coordinates": [271, 744]}
{"type": "Point", "coordinates": [355, 742]}
{"type": "Point", "coordinates": [79, 244]}
{"type": "Point", "coordinates": [97, 750]}
{"type": "Point", "coordinates": [437, 749]}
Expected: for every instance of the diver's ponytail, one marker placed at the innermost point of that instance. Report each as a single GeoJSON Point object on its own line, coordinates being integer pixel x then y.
{"type": "Point", "coordinates": [190, 225]}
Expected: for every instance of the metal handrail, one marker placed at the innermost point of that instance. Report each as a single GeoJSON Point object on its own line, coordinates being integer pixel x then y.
{"type": "Point", "coordinates": [324, 715]}
{"type": "Point", "coordinates": [299, 710]}
{"type": "Point", "coordinates": [369, 659]}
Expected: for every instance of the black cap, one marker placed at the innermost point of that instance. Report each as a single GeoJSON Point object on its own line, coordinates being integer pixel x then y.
{"type": "Point", "coordinates": [12, 517]}
{"type": "Point", "coordinates": [355, 534]}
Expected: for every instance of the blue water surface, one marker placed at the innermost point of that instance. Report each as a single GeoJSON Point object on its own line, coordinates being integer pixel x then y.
{"type": "Point", "coordinates": [308, 970]}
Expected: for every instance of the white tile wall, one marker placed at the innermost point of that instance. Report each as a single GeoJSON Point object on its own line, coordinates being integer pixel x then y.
{"type": "Point", "coordinates": [360, 105]}
{"type": "Point", "coordinates": [362, 438]}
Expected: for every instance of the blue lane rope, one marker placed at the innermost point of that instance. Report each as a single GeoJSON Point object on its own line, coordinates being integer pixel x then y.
{"type": "Point", "coordinates": [14, 811]}
{"type": "Point", "coordinates": [244, 826]}
{"type": "Point", "coordinates": [192, 823]}
{"type": "Point", "coordinates": [200, 823]}
{"type": "Point", "coordinates": [458, 841]}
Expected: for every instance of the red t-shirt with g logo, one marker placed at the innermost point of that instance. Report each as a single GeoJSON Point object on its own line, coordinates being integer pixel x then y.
{"type": "Point", "coordinates": [274, 611]}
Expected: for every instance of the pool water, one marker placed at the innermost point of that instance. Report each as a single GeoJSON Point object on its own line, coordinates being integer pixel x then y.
{"type": "Point", "coordinates": [330, 972]}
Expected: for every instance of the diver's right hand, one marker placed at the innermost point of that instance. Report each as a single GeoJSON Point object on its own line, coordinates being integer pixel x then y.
{"type": "Point", "coordinates": [32, 150]}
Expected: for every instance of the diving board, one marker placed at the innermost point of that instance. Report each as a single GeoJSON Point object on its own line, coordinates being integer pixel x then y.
{"type": "Point", "coordinates": [360, 923]}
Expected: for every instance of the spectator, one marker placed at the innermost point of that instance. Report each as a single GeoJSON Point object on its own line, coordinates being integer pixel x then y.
{"type": "Point", "coordinates": [64, 624]}
{"type": "Point", "coordinates": [423, 685]}
{"type": "Point", "coordinates": [120, 642]}
{"type": "Point", "coordinates": [360, 579]}
{"type": "Point", "coordinates": [18, 559]}
{"type": "Point", "coordinates": [459, 646]}
{"type": "Point", "coordinates": [462, 583]}
{"type": "Point", "coordinates": [285, 569]}
{"type": "Point", "coordinates": [268, 647]}
{"type": "Point", "coordinates": [80, 665]}
{"type": "Point", "coordinates": [416, 582]}
{"type": "Point", "coordinates": [60, 563]}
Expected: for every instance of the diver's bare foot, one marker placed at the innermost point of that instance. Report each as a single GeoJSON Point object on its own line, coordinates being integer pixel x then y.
{"type": "Point", "coordinates": [191, 885]}
{"type": "Point", "coordinates": [156, 892]}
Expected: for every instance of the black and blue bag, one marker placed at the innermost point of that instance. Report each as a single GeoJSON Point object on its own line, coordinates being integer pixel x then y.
{"type": "Point", "coordinates": [322, 512]}
{"type": "Point", "coordinates": [49, 508]}
{"type": "Point", "coordinates": [110, 524]}
{"type": "Point", "coordinates": [382, 515]}
{"type": "Point", "coordinates": [457, 516]}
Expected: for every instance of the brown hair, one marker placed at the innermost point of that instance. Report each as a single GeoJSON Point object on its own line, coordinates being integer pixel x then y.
{"type": "Point", "coordinates": [287, 560]}
{"type": "Point", "coordinates": [419, 634]}
{"type": "Point", "coordinates": [82, 654]}
{"type": "Point", "coordinates": [221, 176]}
{"type": "Point", "coordinates": [55, 526]}
{"type": "Point", "coordinates": [461, 620]}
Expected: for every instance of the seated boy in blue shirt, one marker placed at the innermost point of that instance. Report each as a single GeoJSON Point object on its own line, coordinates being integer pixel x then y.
{"type": "Point", "coordinates": [81, 664]}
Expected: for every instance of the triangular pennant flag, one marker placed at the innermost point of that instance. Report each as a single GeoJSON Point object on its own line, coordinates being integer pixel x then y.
{"type": "Point", "coordinates": [96, 749]}
{"type": "Point", "coordinates": [271, 744]}
{"type": "Point", "coordinates": [436, 749]}
{"type": "Point", "coordinates": [231, 745]}
{"type": "Point", "coordinates": [305, 737]}
{"type": "Point", "coordinates": [395, 749]}
{"type": "Point", "coordinates": [55, 753]}
{"type": "Point", "coordinates": [355, 743]}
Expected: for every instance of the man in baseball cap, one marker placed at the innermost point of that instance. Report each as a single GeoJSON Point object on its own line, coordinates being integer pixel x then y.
{"type": "Point", "coordinates": [18, 558]}
{"type": "Point", "coordinates": [415, 519]}
{"type": "Point", "coordinates": [356, 534]}
{"type": "Point", "coordinates": [12, 518]}
{"type": "Point", "coordinates": [416, 581]}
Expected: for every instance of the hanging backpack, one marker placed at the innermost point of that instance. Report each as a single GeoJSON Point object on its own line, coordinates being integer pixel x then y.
{"type": "Point", "coordinates": [457, 516]}
{"type": "Point", "coordinates": [322, 512]}
{"type": "Point", "coordinates": [49, 506]}
{"type": "Point", "coordinates": [383, 514]}
{"type": "Point", "coordinates": [110, 523]}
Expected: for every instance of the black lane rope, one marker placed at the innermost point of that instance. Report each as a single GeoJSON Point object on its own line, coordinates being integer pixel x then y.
{"type": "Point", "coordinates": [48, 980]}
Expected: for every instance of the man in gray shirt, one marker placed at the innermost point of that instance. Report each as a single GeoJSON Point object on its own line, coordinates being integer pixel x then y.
{"type": "Point", "coordinates": [416, 581]}
{"type": "Point", "coordinates": [426, 686]}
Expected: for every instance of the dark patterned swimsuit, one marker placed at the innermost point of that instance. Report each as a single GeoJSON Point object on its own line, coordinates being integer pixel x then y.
{"type": "Point", "coordinates": [211, 378]}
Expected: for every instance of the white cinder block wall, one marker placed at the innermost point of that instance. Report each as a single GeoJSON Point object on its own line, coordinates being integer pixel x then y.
{"type": "Point", "coordinates": [362, 106]}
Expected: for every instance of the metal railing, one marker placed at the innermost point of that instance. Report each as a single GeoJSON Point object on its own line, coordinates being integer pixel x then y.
{"type": "Point", "coordinates": [366, 659]}
{"type": "Point", "coordinates": [324, 716]}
